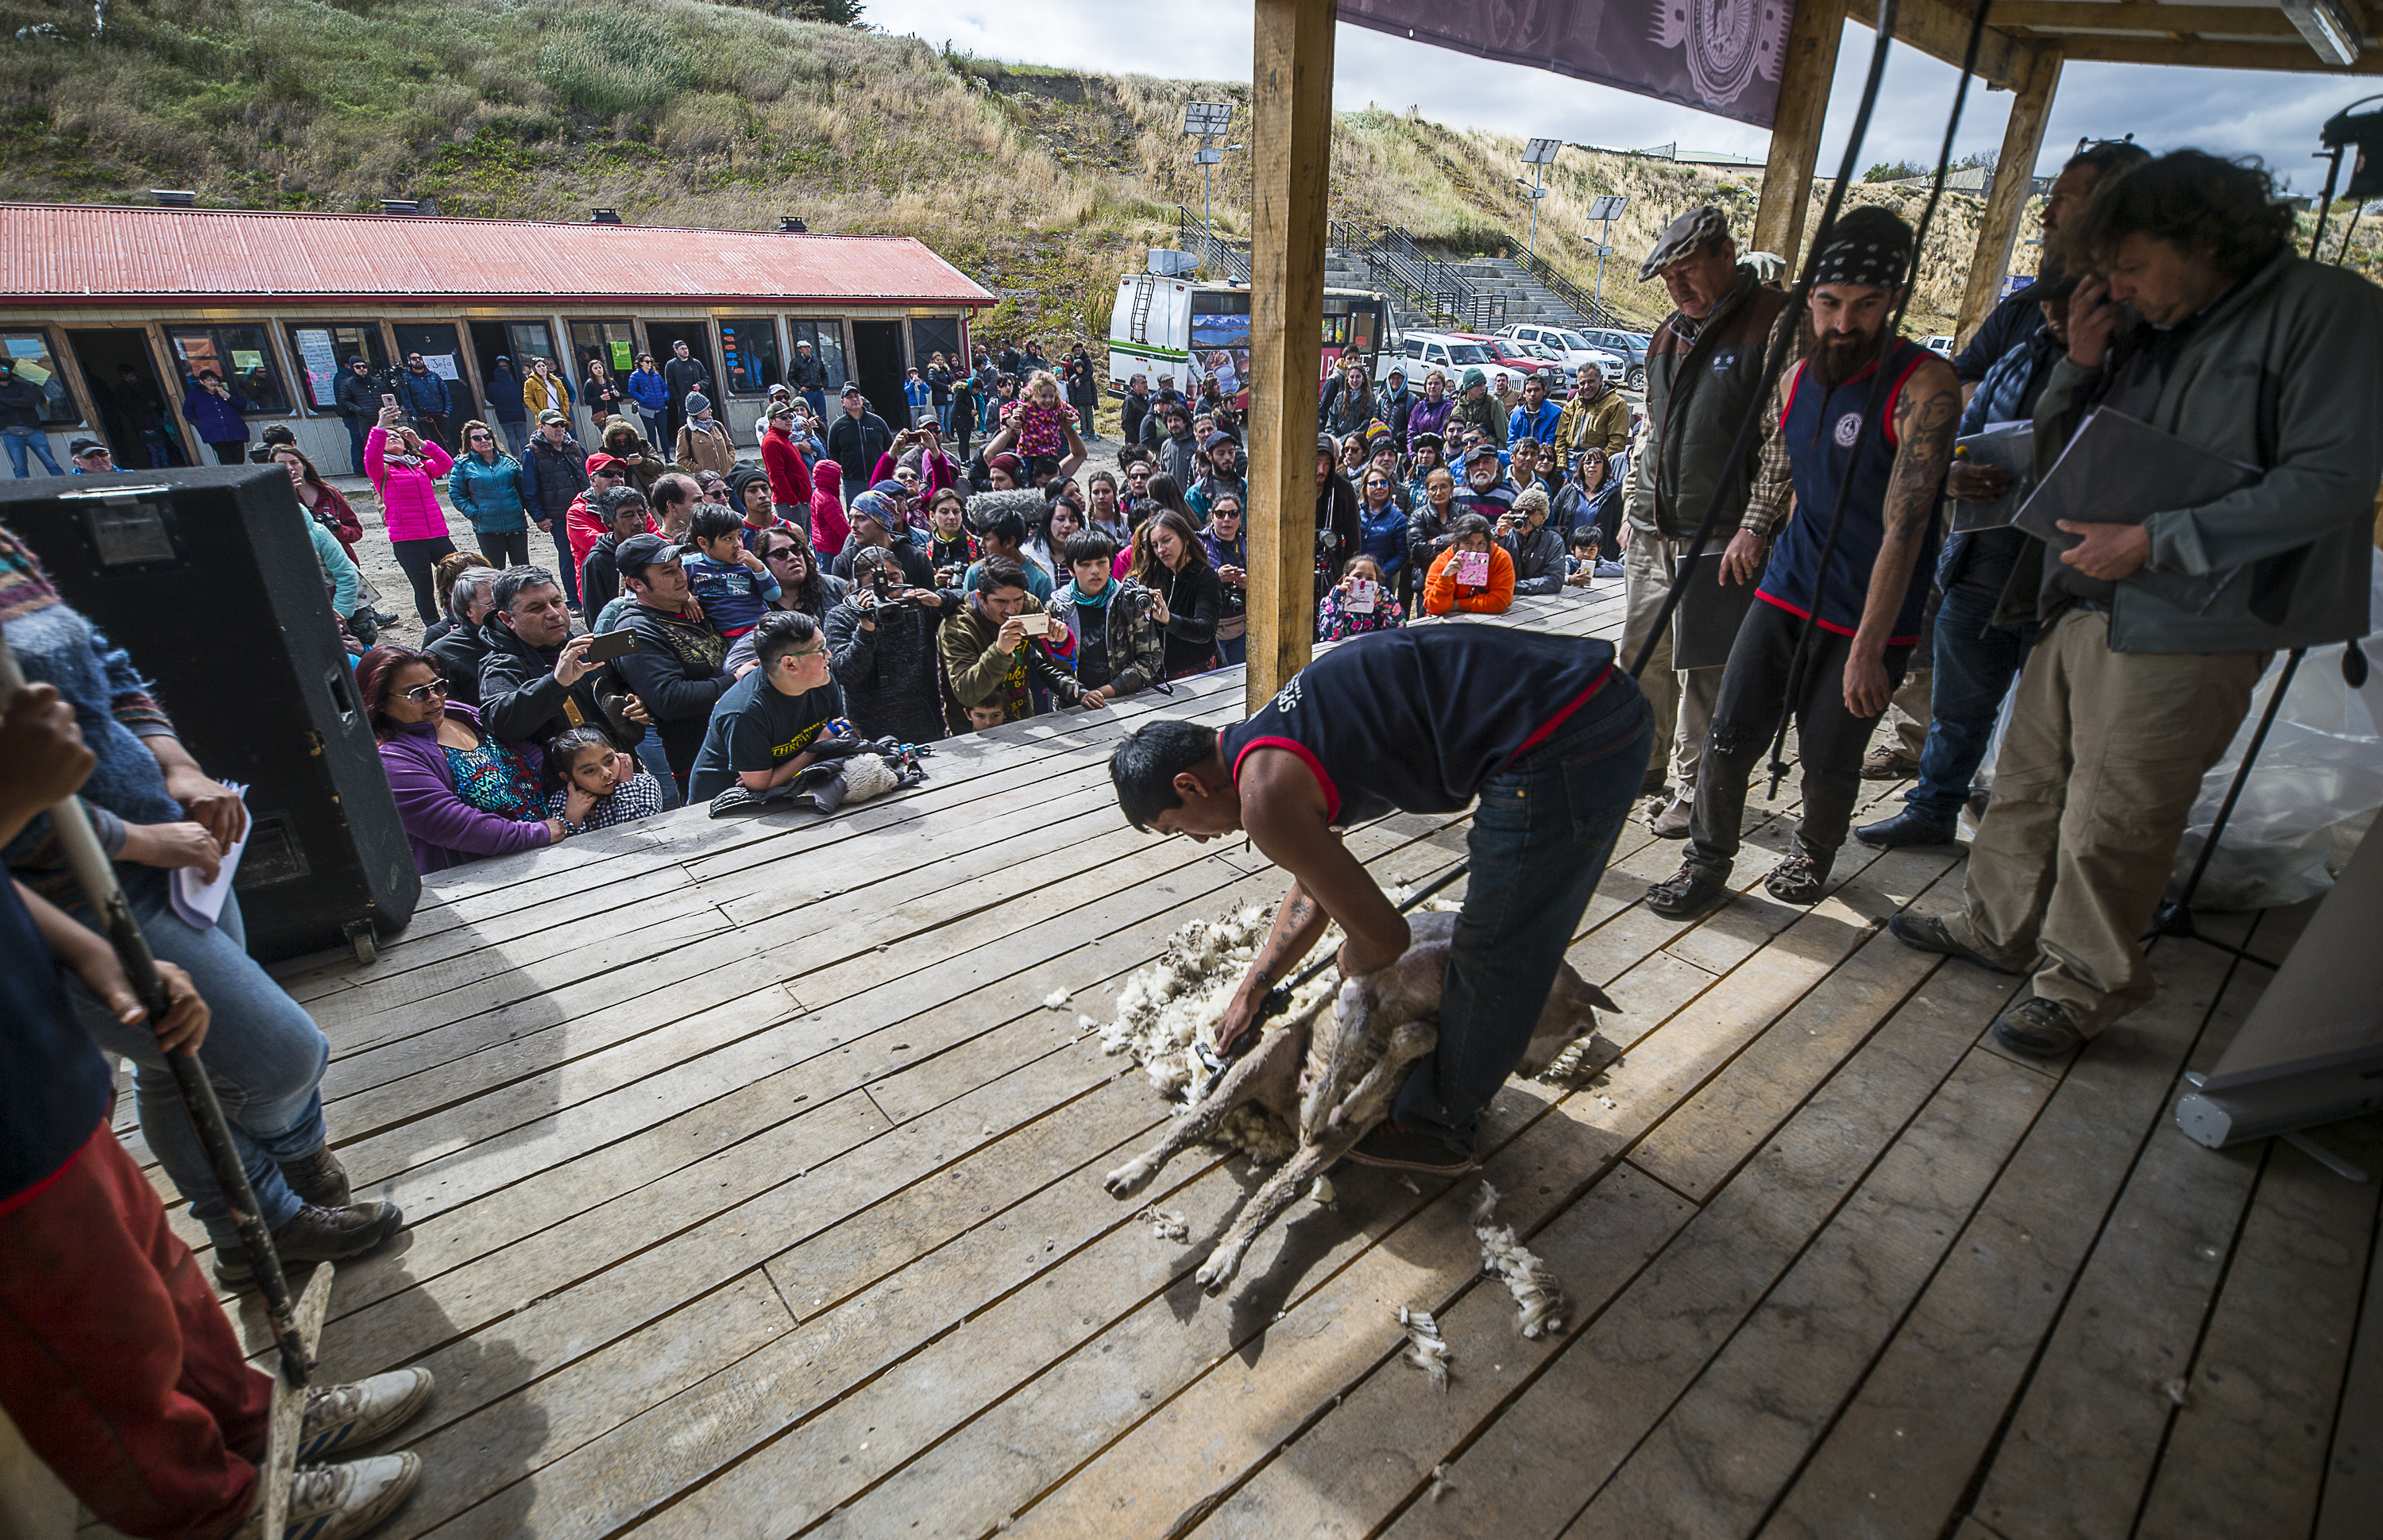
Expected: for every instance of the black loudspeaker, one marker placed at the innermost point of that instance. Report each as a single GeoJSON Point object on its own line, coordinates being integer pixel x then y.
{"type": "Point", "coordinates": [207, 578]}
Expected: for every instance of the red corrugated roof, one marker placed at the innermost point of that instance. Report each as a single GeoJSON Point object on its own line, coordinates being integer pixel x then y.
{"type": "Point", "coordinates": [101, 252]}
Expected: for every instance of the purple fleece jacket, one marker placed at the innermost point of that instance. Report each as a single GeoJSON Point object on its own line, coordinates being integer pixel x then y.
{"type": "Point", "coordinates": [444, 830]}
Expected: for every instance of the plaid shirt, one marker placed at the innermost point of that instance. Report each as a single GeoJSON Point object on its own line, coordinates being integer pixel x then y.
{"type": "Point", "coordinates": [1773, 497]}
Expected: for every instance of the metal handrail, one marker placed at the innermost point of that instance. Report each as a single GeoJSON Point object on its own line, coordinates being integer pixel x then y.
{"type": "Point", "coordinates": [1571, 293]}
{"type": "Point", "coordinates": [1214, 252]}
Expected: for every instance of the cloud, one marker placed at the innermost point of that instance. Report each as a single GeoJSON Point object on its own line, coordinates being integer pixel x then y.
{"type": "Point", "coordinates": [2269, 114]}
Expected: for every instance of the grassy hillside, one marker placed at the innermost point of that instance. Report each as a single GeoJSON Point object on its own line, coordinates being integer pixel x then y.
{"type": "Point", "coordinates": [1041, 184]}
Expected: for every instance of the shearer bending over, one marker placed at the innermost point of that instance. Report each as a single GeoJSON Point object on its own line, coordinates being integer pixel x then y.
{"type": "Point", "coordinates": [1545, 730]}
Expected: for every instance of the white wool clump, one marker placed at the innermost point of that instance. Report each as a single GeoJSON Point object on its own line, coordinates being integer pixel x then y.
{"type": "Point", "coordinates": [1057, 1000]}
{"type": "Point", "coordinates": [1167, 1013]}
{"type": "Point", "coordinates": [1166, 1225]}
{"type": "Point", "coordinates": [1535, 1289]}
{"type": "Point", "coordinates": [868, 775]}
{"type": "Point", "coordinates": [1426, 1349]}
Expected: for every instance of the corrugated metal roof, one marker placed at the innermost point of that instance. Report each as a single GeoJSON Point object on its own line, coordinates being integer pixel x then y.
{"type": "Point", "coordinates": [60, 252]}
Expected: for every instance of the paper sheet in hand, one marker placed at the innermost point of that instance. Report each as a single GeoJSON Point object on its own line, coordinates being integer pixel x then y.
{"type": "Point", "coordinates": [2120, 471]}
{"type": "Point", "coordinates": [201, 903]}
{"type": "Point", "coordinates": [2008, 448]}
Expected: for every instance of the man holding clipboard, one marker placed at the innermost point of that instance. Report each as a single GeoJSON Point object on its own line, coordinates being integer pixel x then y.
{"type": "Point", "coordinates": [2195, 317]}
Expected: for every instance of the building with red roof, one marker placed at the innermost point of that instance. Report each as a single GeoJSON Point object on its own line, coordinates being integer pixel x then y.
{"type": "Point", "coordinates": [276, 303]}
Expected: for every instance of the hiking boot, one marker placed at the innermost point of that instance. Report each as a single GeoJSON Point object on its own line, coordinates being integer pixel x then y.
{"type": "Point", "coordinates": [1672, 822]}
{"type": "Point", "coordinates": [338, 1502]}
{"type": "Point", "coordinates": [1909, 827]}
{"type": "Point", "coordinates": [1690, 891]}
{"type": "Point", "coordinates": [1409, 1149]}
{"type": "Point", "coordinates": [1929, 934]}
{"type": "Point", "coordinates": [319, 1180]}
{"type": "Point", "coordinates": [1889, 762]}
{"type": "Point", "coordinates": [317, 1235]}
{"type": "Point", "coordinates": [1799, 879]}
{"type": "Point", "coordinates": [350, 1416]}
{"type": "Point", "coordinates": [2039, 1029]}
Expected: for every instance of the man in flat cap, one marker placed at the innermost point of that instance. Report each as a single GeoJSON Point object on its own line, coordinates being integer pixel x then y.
{"type": "Point", "coordinates": [1864, 424]}
{"type": "Point", "coordinates": [1704, 367]}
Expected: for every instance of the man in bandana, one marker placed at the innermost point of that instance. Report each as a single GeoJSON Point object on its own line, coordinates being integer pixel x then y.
{"type": "Point", "coordinates": [1864, 425]}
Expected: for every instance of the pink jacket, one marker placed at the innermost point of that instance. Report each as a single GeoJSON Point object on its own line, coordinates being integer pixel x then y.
{"type": "Point", "coordinates": [409, 493]}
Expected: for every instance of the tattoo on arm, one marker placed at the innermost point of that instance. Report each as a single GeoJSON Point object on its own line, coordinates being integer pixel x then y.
{"type": "Point", "coordinates": [1924, 421]}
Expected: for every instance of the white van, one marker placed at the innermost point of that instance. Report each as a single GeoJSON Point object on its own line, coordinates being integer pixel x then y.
{"type": "Point", "coordinates": [1163, 324]}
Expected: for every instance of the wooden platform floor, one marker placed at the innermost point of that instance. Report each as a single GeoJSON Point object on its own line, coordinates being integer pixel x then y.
{"type": "Point", "coordinates": [755, 1192]}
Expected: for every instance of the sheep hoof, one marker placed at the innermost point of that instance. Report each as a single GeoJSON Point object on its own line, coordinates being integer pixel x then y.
{"type": "Point", "coordinates": [1129, 1178]}
{"type": "Point", "coordinates": [1215, 1273]}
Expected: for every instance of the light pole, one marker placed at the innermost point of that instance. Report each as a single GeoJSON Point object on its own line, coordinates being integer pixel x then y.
{"type": "Point", "coordinates": [1207, 121]}
{"type": "Point", "coordinates": [1538, 155]}
{"type": "Point", "coordinates": [1606, 208]}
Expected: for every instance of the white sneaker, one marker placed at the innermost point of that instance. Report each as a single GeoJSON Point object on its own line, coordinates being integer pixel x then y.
{"type": "Point", "coordinates": [338, 1502]}
{"type": "Point", "coordinates": [343, 1417]}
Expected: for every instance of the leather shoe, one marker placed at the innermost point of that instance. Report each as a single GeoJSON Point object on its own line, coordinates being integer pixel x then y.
{"type": "Point", "coordinates": [2039, 1029]}
{"type": "Point", "coordinates": [1906, 827]}
{"type": "Point", "coordinates": [1411, 1150]}
{"type": "Point", "coordinates": [1928, 933]}
{"type": "Point", "coordinates": [1888, 762]}
{"type": "Point", "coordinates": [1672, 822]}
{"type": "Point", "coordinates": [1690, 891]}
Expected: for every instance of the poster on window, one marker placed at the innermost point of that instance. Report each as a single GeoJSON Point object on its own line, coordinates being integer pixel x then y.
{"type": "Point", "coordinates": [316, 357]}
{"type": "Point", "coordinates": [624, 358]}
{"type": "Point", "coordinates": [1220, 347]}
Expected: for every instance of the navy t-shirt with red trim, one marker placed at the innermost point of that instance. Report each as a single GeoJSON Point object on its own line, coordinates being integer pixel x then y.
{"type": "Point", "coordinates": [1822, 425]}
{"type": "Point", "coordinates": [1415, 721]}
{"type": "Point", "coordinates": [54, 1082]}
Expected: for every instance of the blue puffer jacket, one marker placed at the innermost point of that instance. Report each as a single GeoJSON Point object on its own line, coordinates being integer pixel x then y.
{"type": "Point", "coordinates": [648, 390]}
{"type": "Point", "coordinates": [424, 393]}
{"type": "Point", "coordinates": [489, 497]}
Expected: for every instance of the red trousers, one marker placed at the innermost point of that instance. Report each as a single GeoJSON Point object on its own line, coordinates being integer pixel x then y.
{"type": "Point", "coordinates": [116, 1362]}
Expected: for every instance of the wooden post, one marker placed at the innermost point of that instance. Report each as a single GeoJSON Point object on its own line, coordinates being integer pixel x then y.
{"type": "Point", "coordinates": [1291, 138]}
{"type": "Point", "coordinates": [2007, 201]}
{"type": "Point", "coordinates": [1808, 70]}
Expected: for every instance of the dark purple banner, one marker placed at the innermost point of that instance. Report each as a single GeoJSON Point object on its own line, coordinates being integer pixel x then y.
{"type": "Point", "coordinates": [1716, 56]}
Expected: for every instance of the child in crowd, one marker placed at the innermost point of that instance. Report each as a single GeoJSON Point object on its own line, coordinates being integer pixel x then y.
{"type": "Point", "coordinates": [1351, 612]}
{"type": "Point", "coordinates": [988, 715]}
{"type": "Point", "coordinates": [596, 784]}
{"type": "Point", "coordinates": [732, 584]}
{"type": "Point", "coordinates": [1586, 560]}
{"type": "Point", "coordinates": [1044, 426]}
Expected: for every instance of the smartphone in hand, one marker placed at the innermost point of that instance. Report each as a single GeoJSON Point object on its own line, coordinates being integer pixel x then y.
{"type": "Point", "coordinates": [1034, 622]}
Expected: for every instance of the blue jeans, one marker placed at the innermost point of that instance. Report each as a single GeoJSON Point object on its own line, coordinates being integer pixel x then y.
{"type": "Point", "coordinates": [563, 563]}
{"type": "Point", "coordinates": [516, 432]}
{"type": "Point", "coordinates": [1236, 650]}
{"type": "Point", "coordinates": [943, 414]}
{"type": "Point", "coordinates": [263, 1052]}
{"type": "Point", "coordinates": [1975, 661]}
{"type": "Point", "coordinates": [20, 440]}
{"type": "Point", "coordinates": [1541, 835]}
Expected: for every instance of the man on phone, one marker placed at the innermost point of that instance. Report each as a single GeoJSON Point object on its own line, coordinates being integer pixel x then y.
{"type": "Point", "coordinates": [989, 654]}
{"type": "Point", "coordinates": [535, 679]}
{"type": "Point", "coordinates": [1545, 730]}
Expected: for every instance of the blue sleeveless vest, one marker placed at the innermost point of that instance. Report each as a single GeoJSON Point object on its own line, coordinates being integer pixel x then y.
{"type": "Point", "coordinates": [1821, 426]}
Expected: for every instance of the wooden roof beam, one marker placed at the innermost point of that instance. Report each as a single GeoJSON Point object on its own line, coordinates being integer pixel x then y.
{"type": "Point", "coordinates": [2153, 20]}
{"type": "Point", "coordinates": [1941, 30]}
{"type": "Point", "coordinates": [2295, 55]}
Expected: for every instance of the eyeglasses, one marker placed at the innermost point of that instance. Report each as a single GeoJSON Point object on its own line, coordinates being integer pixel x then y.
{"type": "Point", "coordinates": [420, 693]}
{"type": "Point", "coordinates": [804, 652]}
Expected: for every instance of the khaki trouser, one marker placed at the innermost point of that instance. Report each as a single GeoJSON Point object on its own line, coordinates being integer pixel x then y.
{"type": "Point", "coordinates": [1682, 701]}
{"type": "Point", "coordinates": [2097, 774]}
{"type": "Point", "coordinates": [1907, 715]}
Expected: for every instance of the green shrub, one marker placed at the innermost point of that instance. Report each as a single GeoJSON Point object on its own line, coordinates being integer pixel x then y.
{"type": "Point", "coordinates": [606, 63]}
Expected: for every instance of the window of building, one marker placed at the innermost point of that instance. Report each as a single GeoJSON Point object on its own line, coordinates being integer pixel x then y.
{"type": "Point", "coordinates": [615, 343]}
{"type": "Point", "coordinates": [242, 355]}
{"type": "Point", "coordinates": [826, 339]}
{"type": "Point", "coordinates": [29, 353]}
{"type": "Point", "coordinates": [748, 355]}
{"type": "Point", "coordinates": [939, 334]}
{"type": "Point", "coordinates": [322, 350]}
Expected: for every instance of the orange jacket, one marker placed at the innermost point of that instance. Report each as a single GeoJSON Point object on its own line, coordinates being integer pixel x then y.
{"type": "Point", "coordinates": [1440, 593]}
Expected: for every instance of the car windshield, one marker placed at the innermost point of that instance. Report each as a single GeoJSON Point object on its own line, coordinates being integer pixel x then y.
{"type": "Point", "coordinates": [1468, 353]}
{"type": "Point", "coordinates": [1574, 340]}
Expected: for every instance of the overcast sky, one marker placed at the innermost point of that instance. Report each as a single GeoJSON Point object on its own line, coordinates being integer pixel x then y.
{"type": "Point", "coordinates": [2271, 115]}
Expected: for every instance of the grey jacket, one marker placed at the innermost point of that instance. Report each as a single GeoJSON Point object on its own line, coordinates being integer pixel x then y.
{"type": "Point", "coordinates": [1539, 559]}
{"type": "Point", "coordinates": [2285, 373]}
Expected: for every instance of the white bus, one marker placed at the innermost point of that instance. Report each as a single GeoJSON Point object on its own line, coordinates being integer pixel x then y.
{"type": "Point", "coordinates": [1188, 329]}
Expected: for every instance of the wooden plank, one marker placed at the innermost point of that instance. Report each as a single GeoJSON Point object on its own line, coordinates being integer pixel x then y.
{"type": "Point", "coordinates": [1720, 1455]}
{"type": "Point", "coordinates": [1946, 1381]}
{"type": "Point", "coordinates": [1530, 1471]}
{"type": "Point", "coordinates": [1371, 1448]}
{"type": "Point", "coordinates": [2296, 58]}
{"type": "Point", "coordinates": [2147, 19]}
{"type": "Point", "coordinates": [1941, 30]}
{"type": "Point", "coordinates": [1291, 173]}
{"type": "Point", "coordinates": [2086, 1433]}
{"type": "Point", "coordinates": [2353, 1476]}
{"type": "Point", "coordinates": [2007, 199]}
{"type": "Point", "coordinates": [2246, 1454]}
{"type": "Point", "coordinates": [1809, 68]}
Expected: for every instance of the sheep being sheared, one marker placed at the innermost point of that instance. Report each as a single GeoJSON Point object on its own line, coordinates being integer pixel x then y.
{"type": "Point", "coordinates": [1335, 1084]}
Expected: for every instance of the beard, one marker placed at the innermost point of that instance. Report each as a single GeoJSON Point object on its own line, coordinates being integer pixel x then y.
{"type": "Point", "coordinates": [1839, 356]}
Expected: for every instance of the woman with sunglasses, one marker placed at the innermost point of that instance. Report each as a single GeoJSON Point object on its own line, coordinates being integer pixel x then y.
{"type": "Point", "coordinates": [461, 794]}
{"type": "Point", "coordinates": [648, 396]}
{"type": "Point", "coordinates": [486, 487]}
